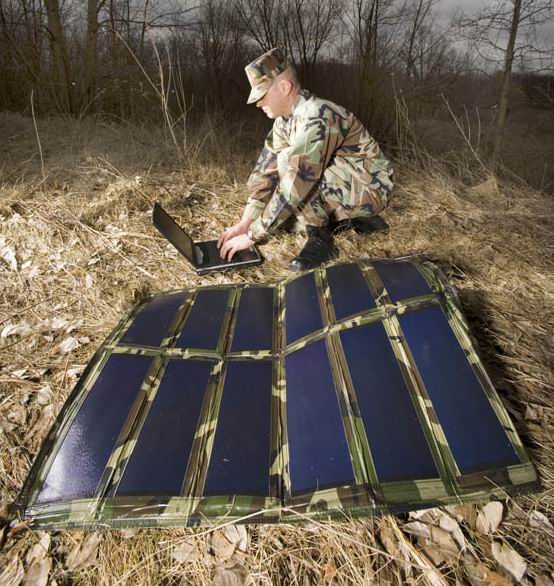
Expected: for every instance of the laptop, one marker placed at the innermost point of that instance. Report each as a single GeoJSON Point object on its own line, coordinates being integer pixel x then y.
{"type": "Point", "coordinates": [204, 255]}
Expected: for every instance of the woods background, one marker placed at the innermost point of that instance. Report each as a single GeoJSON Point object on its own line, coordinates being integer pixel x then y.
{"type": "Point", "coordinates": [477, 86]}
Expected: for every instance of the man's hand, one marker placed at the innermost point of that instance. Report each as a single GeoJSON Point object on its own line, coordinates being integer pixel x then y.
{"type": "Point", "coordinates": [233, 231]}
{"type": "Point", "coordinates": [234, 244]}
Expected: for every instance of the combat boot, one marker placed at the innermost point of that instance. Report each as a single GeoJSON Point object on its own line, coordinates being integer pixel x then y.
{"type": "Point", "coordinates": [318, 249]}
{"type": "Point", "coordinates": [361, 225]}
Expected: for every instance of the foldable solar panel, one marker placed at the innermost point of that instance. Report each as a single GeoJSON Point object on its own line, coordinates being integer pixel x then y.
{"type": "Point", "coordinates": [354, 389]}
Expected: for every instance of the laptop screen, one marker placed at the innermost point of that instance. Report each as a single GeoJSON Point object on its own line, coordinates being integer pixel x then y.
{"type": "Point", "coordinates": [174, 233]}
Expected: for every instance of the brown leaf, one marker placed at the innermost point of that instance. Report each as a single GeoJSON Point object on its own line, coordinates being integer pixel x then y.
{"type": "Point", "coordinates": [233, 576]}
{"type": "Point", "coordinates": [12, 574]}
{"type": "Point", "coordinates": [84, 554]}
{"type": "Point", "coordinates": [466, 513]}
{"type": "Point", "coordinates": [544, 580]}
{"type": "Point", "coordinates": [509, 560]}
{"type": "Point", "coordinates": [6, 426]}
{"type": "Point", "coordinates": [540, 521]}
{"type": "Point", "coordinates": [329, 572]}
{"type": "Point", "coordinates": [39, 550]}
{"type": "Point", "coordinates": [185, 552]}
{"type": "Point", "coordinates": [38, 572]}
{"type": "Point", "coordinates": [534, 412]}
{"type": "Point", "coordinates": [435, 554]}
{"type": "Point", "coordinates": [449, 524]}
{"type": "Point", "coordinates": [444, 540]}
{"type": "Point", "coordinates": [237, 535]}
{"type": "Point", "coordinates": [494, 579]}
{"type": "Point", "coordinates": [18, 414]}
{"type": "Point", "coordinates": [43, 423]}
{"type": "Point", "coordinates": [221, 547]}
{"type": "Point", "coordinates": [489, 518]}
{"type": "Point", "coordinates": [476, 571]}
{"type": "Point", "coordinates": [418, 528]}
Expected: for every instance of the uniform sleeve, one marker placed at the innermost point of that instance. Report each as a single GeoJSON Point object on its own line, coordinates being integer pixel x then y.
{"type": "Point", "coordinates": [300, 167]}
{"type": "Point", "coordinates": [265, 177]}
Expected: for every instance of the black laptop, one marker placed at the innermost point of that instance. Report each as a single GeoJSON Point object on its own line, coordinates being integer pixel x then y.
{"type": "Point", "coordinates": [204, 256]}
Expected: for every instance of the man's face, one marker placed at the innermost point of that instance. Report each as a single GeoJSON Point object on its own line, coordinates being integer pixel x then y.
{"type": "Point", "coordinates": [275, 103]}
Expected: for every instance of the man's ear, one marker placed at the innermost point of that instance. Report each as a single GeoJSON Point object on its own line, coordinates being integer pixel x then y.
{"type": "Point", "coordinates": [286, 87]}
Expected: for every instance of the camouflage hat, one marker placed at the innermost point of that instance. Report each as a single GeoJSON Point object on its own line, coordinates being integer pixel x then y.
{"type": "Point", "coordinates": [262, 71]}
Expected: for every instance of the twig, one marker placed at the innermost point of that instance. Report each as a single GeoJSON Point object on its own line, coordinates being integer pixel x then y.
{"type": "Point", "coordinates": [38, 137]}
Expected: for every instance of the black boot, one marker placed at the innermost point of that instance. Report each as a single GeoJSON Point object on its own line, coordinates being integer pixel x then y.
{"type": "Point", "coordinates": [361, 225]}
{"type": "Point", "coordinates": [318, 249]}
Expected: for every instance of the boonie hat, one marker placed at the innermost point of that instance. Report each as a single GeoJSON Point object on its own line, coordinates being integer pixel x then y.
{"type": "Point", "coordinates": [262, 71]}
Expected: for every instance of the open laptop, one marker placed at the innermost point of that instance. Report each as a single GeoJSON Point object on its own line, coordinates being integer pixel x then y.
{"type": "Point", "coordinates": [204, 255]}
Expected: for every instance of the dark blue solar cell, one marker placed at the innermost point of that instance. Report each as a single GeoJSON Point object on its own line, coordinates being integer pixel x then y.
{"type": "Point", "coordinates": [254, 325]}
{"type": "Point", "coordinates": [397, 442]}
{"type": "Point", "coordinates": [152, 322]}
{"type": "Point", "coordinates": [474, 433]}
{"type": "Point", "coordinates": [160, 457]}
{"type": "Point", "coordinates": [240, 457]}
{"type": "Point", "coordinates": [85, 450]}
{"type": "Point", "coordinates": [349, 291]}
{"type": "Point", "coordinates": [303, 315]}
{"type": "Point", "coordinates": [402, 280]}
{"type": "Point", "coordinates": [203, 324]}
{"type": "Point", "coordinates": [319, 456]}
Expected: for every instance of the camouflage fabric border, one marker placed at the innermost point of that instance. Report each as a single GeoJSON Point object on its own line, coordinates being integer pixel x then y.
{"type": "Point", "coordinates": [366, 496]}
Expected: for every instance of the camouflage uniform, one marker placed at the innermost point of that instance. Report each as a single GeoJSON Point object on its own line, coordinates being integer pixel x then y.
{"type": "Point", "coordinates": [318, 163]}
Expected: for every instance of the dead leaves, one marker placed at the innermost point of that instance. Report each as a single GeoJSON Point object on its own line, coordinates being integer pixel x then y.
{"type": "Point", "coordinates": [509, 560]}
{"type": "Point", "coordinates": [84, 553]}
{"type": "Point", "coordinates": [229, 547]}
{"type": "Point", "coordinates": [225, 542]}
{"type": "Point", "coordinates": [7, 254]}
{"type": "Point", "coordinates": [489, 518]}
{"type": "Point", "coordinates": [37, 562]}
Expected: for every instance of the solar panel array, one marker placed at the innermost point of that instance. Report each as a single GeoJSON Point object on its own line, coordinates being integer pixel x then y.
{"type": "Point", "coordinates": [352, 389]}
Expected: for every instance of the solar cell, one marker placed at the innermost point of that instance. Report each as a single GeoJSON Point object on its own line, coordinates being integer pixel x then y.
{"type": "Point", "coordinates": [385, 405]}
{"type": "Point", "coordinates": [150, 325]}
{"type": "Point", "coordinates": [239, 463]}
{"type": "Point", "coordinates": [85, 450]}
{"type": "Point", "coordinates": [402, 280]}
{"type": "Point", "coordinates": [318, 449]}
{"type": "Point", "coordinates": [349, 291]}
{"type": "Point", "coordinates": [203, 324]}
{"type": "Point", "coordinates": [303, 315]}
{"type": "Point", "coordinates": [254, 324]}
{"type": "Point", "coordinates": [161, 453]}
{"type": "Point", "coordinates": [473, 431]}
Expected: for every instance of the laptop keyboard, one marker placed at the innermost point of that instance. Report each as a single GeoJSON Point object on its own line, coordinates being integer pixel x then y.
{"type": "Point", "coordinates": [212, 250]}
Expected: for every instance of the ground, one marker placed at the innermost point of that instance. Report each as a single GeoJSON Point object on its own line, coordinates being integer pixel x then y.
{"type": "Point", "coordinates": [77, 250]}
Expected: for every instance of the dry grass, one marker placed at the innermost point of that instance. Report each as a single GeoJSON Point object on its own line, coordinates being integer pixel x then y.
{"type": "Point", "coordinates": [77, 250]}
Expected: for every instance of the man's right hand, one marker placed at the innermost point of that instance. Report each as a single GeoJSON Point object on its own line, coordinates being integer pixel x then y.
{"type": "Point", "coordinates": [233, 231]}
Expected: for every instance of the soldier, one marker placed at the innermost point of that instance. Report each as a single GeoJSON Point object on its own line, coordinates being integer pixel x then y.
{"type": "Point", "coordinates": [318, 163]}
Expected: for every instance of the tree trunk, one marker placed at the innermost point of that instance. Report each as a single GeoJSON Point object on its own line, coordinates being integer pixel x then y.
{"type": "Point", "coordinates": [91, 58]}
{"type": "Point", "coordinates": [503, 105]}
{"type": "Point", "coordinates": [60, 60]}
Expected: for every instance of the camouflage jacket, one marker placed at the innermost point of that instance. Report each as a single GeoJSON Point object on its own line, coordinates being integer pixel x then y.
{"type": "Point", "coordinates": [318, 134]}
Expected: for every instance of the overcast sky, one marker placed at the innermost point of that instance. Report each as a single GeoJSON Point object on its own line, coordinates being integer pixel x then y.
{"type": "Point", "coordinates": [447, 8]}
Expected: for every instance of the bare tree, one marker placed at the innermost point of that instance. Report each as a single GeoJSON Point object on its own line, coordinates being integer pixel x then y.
{"type": "Point", "coordinates": [309, 27]}
{"type": "Point", "coordinates": [90, 74]}
{"type": "Point", "coordinates": [60, 57]}
{"type": "Point", "coordinates": [263, 21]}
{"type": "Point", "coordinates": [507, 31]}
{"type": "Point", "coordinates": [418, 16]}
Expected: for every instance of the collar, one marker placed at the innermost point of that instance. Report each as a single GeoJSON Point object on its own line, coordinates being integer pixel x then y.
{"type": "Point", "coordinates": [300, 99]}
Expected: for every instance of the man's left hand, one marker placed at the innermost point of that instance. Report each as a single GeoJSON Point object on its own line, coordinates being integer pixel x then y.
{"type": "Point", "coordinates": [233, 245]}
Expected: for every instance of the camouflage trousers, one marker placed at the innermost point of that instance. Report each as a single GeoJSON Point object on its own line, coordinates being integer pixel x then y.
{"type": "Point", "coordinates": [341, 196]}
